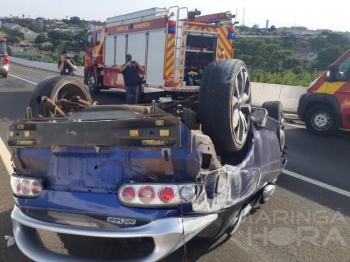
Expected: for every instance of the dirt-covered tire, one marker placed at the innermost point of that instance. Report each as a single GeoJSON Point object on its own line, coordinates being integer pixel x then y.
{"type": "Point", "coordinates": [224, 106]}
{"type": "Point", "coordinates": [57, 87]}
{"type": "Point", "coordinates": [275, 111]}
{"type": "Point", "coordinates": [92, 83]}
{"type": "Point", "coordinates": [320, 120]}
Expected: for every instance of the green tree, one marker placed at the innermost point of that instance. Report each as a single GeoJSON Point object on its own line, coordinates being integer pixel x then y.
{"type": "Point", "coordinates": [74, 20]}
{"type": "Point", "coordinates": [258, 54]}
{"type": "Point", "coordinates": [337, 39]}
{"type": "Point", "coordinates": [14, 36]}
{"type": "Point", "coordinates": [79, 61]}
{"type": "Point", "coordinates": [16, 39]}
{"type": "Point", "coordinates": [251, 51]}
{"type": "Point", "coordinates": [318, 43]}
{"type": "Point", "coordinates": [292, 62]}
{"type": "Point", "coordinates": [297, 70]}
{"type": "Point", "coordinates": [275, 57]}
{"type": "Point", "coordinates": [41, 38]}
{"type": "Point", "coordinates": [288, 44]}
{"type": "Point", "coordinates": [328, 55]}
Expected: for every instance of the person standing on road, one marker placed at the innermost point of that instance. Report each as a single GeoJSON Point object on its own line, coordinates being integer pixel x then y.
{"type": "Point", "coordinates": [65, 65]}
{"type": "Point", "coordinates": [132, 80]}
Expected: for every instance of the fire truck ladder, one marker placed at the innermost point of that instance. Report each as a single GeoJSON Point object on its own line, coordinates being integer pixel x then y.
{"type": "Point", "coordinates": [180, 45]}
{"type": "Point", "coordinates": [215, 18]}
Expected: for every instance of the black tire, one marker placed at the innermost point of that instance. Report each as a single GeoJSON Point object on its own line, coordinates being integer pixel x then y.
{"type": "Point", "coordinates": [275, 111]}
{"type": "Point", "coordinates": [92, 83]}
{"type": "Point", "coordinates": [320, 120]}
{"type": "Point", "coordinates": [4, 75]}
{"type": "Point", "coordinates": [219, 103]}
{"type": "Point", "coordinates": [55, 87]}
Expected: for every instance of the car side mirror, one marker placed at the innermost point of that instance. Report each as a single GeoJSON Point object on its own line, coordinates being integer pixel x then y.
{"type": "Point", "coordinates": [330, 73]}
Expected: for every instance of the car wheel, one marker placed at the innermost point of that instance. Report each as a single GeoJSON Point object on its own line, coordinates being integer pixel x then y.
{"type": "Point", "coordinates": [92, 83]}
{"type": "Point", "coordinates": [4, 75]}
{"type": "Point", "coordinates": [275, 111]}
{"type": "Point", "coordinates": [57, 87]}
{"type": "Point", "coordinates": [320, 120]}
{"type": "Point", "coordinates": [224, 105]}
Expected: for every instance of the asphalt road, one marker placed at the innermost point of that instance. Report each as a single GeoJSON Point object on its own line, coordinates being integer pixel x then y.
{"type": "Point", "coordinates": [301, 222]}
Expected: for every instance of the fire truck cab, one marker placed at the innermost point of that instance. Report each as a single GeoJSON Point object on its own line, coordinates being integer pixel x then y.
{"type": "Point", "coordinates": [4, 58]}
{"type": "Point", "coordinates": [173, 45]}
{"type": "Point", "coordinates": [325, 107]}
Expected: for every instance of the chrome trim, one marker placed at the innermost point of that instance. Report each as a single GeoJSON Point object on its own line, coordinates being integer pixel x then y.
{"type": "Point", "coordinates": [166, 233]}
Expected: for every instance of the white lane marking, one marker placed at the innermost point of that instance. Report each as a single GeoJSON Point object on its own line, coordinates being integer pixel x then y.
{"type": "Point", "coordinates": [317, 183]}
{"type": "Point", "coordinates": [22, 79]}
{"type": "Point", "coordinates": [6, 157]}
{"type": "Point", "coordinates": [35, 70]}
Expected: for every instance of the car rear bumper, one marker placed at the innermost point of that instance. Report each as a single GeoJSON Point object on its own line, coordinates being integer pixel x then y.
{"type": "Point", "coordinates": [167, 235]}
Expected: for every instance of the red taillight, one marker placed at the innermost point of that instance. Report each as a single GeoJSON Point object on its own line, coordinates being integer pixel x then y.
{"type": "Point", "coordinates": [6, 59]}
{"type": "Point", "coordinates": [128, 193]}
{"type": "Point", "coordinates": [17, 185]}
{"type": "Point", "coordinates": [156, 194]}
{"type": "Point", "coordinates": [26, 187]}
{"type": "Point", "coordinates": [36, 188]}
{"type": "Point", "coordinates": [231, 30]}
{"type": "Point", "coordinates": [167, 194]}
{"type": "Point", "coordinates": [147, 194]}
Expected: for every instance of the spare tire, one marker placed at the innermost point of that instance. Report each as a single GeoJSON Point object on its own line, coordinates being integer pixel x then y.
{"type": "Point", "coordinates": [275, 111]}
{"type": "Point", "coordinates": [224, 106]}
{"type": "Point", "coordinates": [57, 87]}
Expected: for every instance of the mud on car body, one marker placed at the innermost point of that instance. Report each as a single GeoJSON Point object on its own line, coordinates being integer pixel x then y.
{"type": "Point", "coordinates": [168, 171]}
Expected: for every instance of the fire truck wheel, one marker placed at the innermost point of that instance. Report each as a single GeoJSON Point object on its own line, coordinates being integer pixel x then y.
{"type": "Point", "coordinates": [93, 88]}
{"type": "Point", "coordinates": [57, 87]}
{"type": "Point", "coordinates": [320, 120]}
{"type": "Point", "coordinates": [224, 107]}
{"type": "Point", "coordinates": [275, 111]}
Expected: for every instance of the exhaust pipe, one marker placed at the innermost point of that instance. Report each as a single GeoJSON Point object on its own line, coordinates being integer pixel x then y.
{"type": "Point", "coordinates": [268, 191]}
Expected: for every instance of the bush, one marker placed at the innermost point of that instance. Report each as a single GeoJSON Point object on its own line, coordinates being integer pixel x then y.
{"type": "Point", "coordinates": [297, 70]}
{"type": "Point", "coordinates": [298, 78]}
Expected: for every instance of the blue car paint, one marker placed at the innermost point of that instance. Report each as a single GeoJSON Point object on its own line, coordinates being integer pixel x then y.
{"type": "Point", "coordinates": [72, 174]}
{"type": "Point", "coordinates": [81, 202]}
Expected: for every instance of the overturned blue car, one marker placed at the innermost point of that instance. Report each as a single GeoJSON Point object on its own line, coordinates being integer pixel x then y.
{"type": "Point", "coordinates": [170, 170]}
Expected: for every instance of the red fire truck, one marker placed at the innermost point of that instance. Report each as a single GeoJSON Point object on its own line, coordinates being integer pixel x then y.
{"type": "Point", "coordinates": [4, 58]}
{"type": "Point", "coordinates": [173, 46]}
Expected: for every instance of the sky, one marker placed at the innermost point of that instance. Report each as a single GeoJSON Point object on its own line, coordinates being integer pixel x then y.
{"type": "Point", "coordinates": [309, 13]}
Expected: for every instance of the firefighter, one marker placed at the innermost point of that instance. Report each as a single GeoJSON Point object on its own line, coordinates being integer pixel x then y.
{"type": "Point", "coordinates": [132, 80]}
{"type": "Point", "coordinates": [65, 65]}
